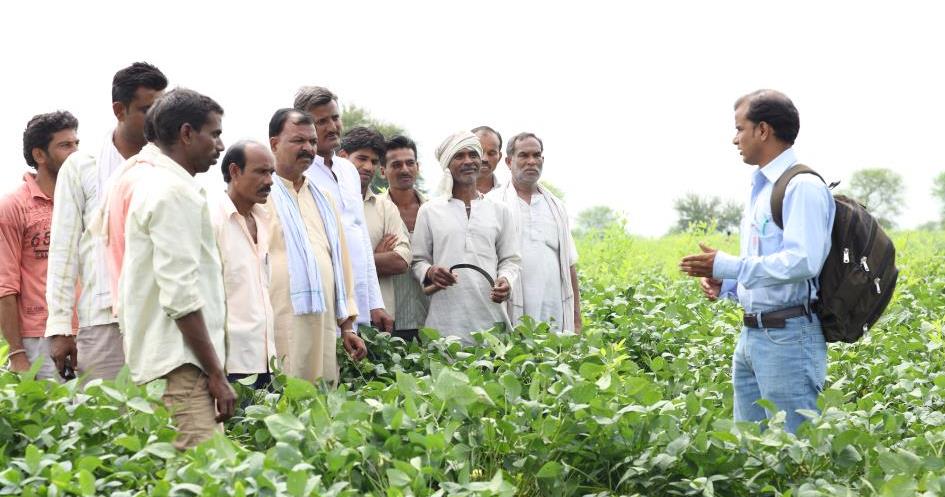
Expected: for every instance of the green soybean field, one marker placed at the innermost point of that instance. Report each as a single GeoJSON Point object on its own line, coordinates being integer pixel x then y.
{"type": "Point", "coordinates": [640, 403]}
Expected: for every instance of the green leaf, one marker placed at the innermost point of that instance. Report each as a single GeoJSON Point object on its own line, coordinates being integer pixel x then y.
{"type": "Point", "coordinates": [132, 443]}
{"type": "Point", "coordinates": [284, 427]}
{"type": "Point", "coordinates": [398, 478]}
{"type": "Point", "coordinates": [140, 404]}
{"type": "Point", "coordinates": [299, 389]}
{"type": "Point", "coordinates": [86, 483]}
{"type": "Point", "coordinates": [163, 450]}
{"type": "Point", "coordinates": [550, 469]}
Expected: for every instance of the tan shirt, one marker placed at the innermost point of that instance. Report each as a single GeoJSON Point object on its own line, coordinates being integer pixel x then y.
{"type": "Point", "coordinates": [383, 218]}
{"type": "Point", "coordinates": [306, 343]}
{"type": "Point", "coordinates": [171, 268]}
{"type": "Point", "coordinates": [250, 321]}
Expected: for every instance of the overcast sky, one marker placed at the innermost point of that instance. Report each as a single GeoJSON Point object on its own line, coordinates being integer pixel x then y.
{"type": "Point", "coordinates": [633, 99]}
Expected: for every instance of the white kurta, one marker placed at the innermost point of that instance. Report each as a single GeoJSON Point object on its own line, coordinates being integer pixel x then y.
{"type": "Point", "coordinates": [541, 273]}
{"type": "Point", "coordinates": [444, 236]}
{"type": "Point", "coordinates": [343, 183]}
{"type": "Point", "coordinates": [537, 223]}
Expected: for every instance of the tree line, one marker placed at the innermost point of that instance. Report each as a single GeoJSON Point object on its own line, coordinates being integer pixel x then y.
{"type": "Point", "coordinates": [880, 190]}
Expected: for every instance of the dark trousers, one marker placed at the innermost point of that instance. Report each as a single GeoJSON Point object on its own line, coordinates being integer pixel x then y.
{"type": "Point", "coordinates": [407, 335]}
{"type": "Point", "coordinates": [263, 380]}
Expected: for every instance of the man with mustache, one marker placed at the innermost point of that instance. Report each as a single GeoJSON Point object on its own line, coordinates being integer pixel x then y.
{"type": "Point", "coordinates": [242, 225]}
{"type": "Point", "coordinates": [461, 226]}
{"type": "Point", "coordinates": [312, 287]}
{"type": "Point", "coordinates": [491, 142]}
{"type": "Point", "coordinates": [339, 178]}
{"type": "Point", "coordinates": [364, 147]}
{"type": "Point", "coordinates": [548, 287]}
{"type": "Point", "coordinates": [25, 218]}
{"type": "Point", "coordinates": [171, 300]}
{"type": "Point", "coordinates": [781, 353]}
{"type": "Point", "coordinates": [76, 253]}
{"type": "Point", "coordinates": [399, 165]}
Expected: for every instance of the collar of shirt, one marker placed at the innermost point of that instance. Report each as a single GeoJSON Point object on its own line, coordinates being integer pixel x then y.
{"type": "Point", "coordinates": [421, 198]}
{"type": "Point", "coordinates": [151, 153]}
{"type": "Point", "coordinates": [33, 187]}
{"type": "Point", "coordinates": [774, 169]}
{"type": "Point", "coordinates": [229, 208]}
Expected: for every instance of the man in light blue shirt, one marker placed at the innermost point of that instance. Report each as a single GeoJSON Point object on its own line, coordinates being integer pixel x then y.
{"type": "Point", "coordinates": [781, 355]}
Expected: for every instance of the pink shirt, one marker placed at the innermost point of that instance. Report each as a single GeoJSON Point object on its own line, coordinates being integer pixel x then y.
{"type": "Point", "coordinates": [25, 220]}
{"type": "Point", "coordinates": [116, 207]}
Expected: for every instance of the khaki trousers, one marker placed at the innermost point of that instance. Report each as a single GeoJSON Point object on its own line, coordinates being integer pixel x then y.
{"type": "Point", "coordinates": [36, 349]}
{"type": "Point", "coordinates": [99, 352]}
{"type": "Point", "coordinates": [191, 406]}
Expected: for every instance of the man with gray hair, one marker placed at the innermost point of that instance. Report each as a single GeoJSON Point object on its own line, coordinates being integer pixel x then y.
{"type": "Point", "coordinates": [461, 226]}
{"type": "Point", "coordinates": [548, 287]}
{"type": "Point", "coordinates": [340, 178]}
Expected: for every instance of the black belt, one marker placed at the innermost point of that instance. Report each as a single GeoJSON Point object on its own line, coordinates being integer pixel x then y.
{"type": "Point", "coordinates": [773, 319]}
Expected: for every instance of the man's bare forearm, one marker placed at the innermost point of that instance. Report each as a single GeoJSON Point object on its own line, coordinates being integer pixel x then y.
{"type": "Point", "coordinates": [196, 337]}
{"type": "Point", "coordinates": [10, 322]}
{"type": "Point", "coordinates": [390, 264]}
{"type": "Point", "coordinates": [576, 290]}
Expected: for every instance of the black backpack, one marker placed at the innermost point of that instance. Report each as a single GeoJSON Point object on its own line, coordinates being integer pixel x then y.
{"type": "Point", "coordinates": [859, 275]}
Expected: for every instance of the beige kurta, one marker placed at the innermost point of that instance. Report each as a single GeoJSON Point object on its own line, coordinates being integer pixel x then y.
{"type": "Point", "coordinates": [306, 343]}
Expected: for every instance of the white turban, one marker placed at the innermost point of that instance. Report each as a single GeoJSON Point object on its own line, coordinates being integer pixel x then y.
{"type": "Point", "coordinates": [451, 146]}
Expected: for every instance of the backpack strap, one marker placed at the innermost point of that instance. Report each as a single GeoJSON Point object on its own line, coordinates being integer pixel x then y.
{"type": "Point", "coordinates": [780, 188]}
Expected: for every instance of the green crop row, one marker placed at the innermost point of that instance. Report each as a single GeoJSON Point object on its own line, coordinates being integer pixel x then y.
{"type": "Point", "coordinates": [640, 404]}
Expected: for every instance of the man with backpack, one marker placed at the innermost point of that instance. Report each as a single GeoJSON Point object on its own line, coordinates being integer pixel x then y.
{"type": "Point", "coordinates": [781, 354]}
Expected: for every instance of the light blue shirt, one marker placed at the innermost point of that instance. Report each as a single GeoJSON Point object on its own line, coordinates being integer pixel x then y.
{"type": "Point", "coordinates": [774, 265]}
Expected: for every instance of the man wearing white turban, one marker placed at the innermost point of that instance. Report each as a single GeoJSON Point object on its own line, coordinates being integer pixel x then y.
{"type": "Point", "coordinates": [461, 226]}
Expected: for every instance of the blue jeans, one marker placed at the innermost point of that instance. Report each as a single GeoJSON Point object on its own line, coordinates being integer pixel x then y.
{"type": "Point", "coordinates": [786, 366]}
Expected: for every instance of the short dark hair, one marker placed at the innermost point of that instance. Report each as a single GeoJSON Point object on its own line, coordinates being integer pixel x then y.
{"type": "Point", "coordinates": [140, 74]}
{"type": "Point", "coordinates": [399, 141]}
{"type": "Point", "coordinates": [313, 96]}
{"type": "Point", "coordinates": [362, 137]}
{"type": "Point", "coordinates": [40, 130]}
{"type": "Point", "coordinates": [235, 154]}
{"type": "Point", "coordinates": [774, 108]}
{"type": "Point", "coordinates": [177, 107]}
{"type": "Point", "coordinates": [278, 120]}
{"type": "Point", "coordinates": [479, 129]}
{"type": "Point", "coordinates": [510, 149]}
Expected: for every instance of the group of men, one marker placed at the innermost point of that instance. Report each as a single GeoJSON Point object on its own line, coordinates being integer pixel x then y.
{"type": "Point", "coordinates": [121, 257]}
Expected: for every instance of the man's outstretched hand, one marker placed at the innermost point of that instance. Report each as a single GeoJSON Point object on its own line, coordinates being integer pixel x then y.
{"type": "Point", "coordinates": [699, 265]}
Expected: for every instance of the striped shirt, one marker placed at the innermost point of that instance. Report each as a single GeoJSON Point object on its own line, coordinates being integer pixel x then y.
{"type": "Point", "coordinates": [76, 254]}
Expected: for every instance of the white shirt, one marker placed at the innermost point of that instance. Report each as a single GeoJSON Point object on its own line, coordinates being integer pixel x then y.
{"type": "Point", "coordinates": [343, 183]}
{"type": "Point", "coordinates": [246, 277]}
{"type": "Point", "coordinates": [76, 253]}
{"type": "Point", "coordinates": [444, 236]}
{"type": "Point", "coordinates": [171, 268]}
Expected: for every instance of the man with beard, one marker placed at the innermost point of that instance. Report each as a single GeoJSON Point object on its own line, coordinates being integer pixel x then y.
{"type": "Point", "coordinates": [25, 219]}
{"type": "Point", "coordinates": [171, 301]}
{"type": "Point", "coordinates": [312, 287]}
{"type": "Point", "coordinates": [242, 225]}
{"type": "Point", "coordinates": [462, 227]}
{"type": "Point", "coordinates": [364, 147]}
{"type": "Point", "coordinates": [339, 178]}
{"type": "Point", "coordinates": [491, 142]}
{"type": "Point", "coordinates": [400, 167]}
{"type": "Point", "coordinates": [76, 253]}
{"type": "Point", "coordinates": [548, 287]}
